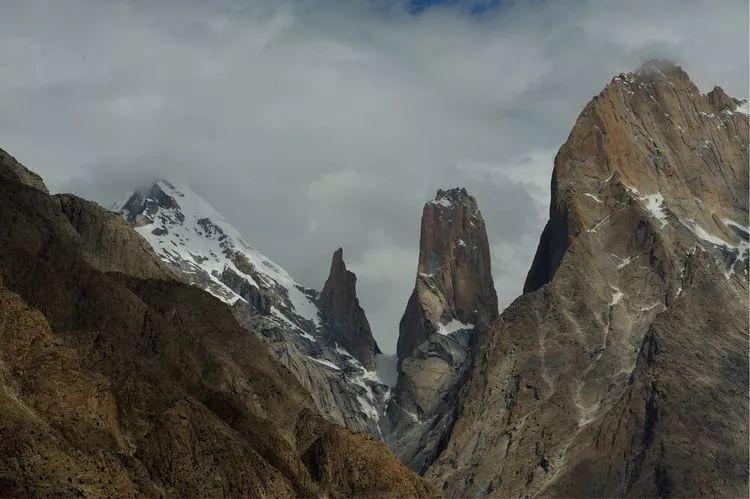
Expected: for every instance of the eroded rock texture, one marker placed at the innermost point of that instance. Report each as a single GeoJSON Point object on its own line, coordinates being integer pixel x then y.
{"type": "Point", "coordinates": [623, 370]}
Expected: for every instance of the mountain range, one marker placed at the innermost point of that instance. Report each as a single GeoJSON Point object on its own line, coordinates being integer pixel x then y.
{"type": "Point", "coordinates": [151, 350]}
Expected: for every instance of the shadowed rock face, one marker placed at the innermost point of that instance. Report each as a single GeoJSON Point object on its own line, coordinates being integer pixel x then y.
{"type": "Point", "coordinates": [452, 304]}
{"type": "Point", "coordinates": [344, 319]}
{"type": "Point", "coordinates": [623, 369]}
{"type": "Point", "coordinates": [116, 385]}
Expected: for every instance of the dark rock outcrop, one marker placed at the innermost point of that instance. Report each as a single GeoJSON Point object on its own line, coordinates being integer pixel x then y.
{"type": "Point", "coordinates": [452, 305]}
{"type": "Point", "coordinates": [623, 369]}
{"type": "Point", "coordinates": [22, 174]}
{"type": "Point", "coordinates": [344, 319]}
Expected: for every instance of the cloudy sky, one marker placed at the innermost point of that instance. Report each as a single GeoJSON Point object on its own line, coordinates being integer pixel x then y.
{"type": "Point", "coordinates": [318, 124]}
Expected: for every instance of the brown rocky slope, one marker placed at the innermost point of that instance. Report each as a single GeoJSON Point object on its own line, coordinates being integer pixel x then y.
{"type": "Point", "coordinates": [123, 383]}
{"type": "Point", "coordinates": [623, 369]}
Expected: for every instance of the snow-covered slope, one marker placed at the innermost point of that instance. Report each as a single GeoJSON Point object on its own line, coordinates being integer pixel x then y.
{"type": "Point", "coordinates": [197, 241]}
{"type": "Point", "coordinates": [191, 235]}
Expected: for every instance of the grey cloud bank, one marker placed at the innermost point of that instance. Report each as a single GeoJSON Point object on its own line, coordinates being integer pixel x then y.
{"type": "Point", "coordinates": [313, 125]}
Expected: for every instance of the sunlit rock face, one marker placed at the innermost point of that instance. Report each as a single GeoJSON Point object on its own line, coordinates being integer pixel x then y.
{"type": "Point", "coordinates": [453, 303]}
{"type": "Point", "coordinates": [623, 369]}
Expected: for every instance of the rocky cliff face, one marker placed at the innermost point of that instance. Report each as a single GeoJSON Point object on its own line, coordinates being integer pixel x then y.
{"type": "Point", "coordinates": [623, 369]}
{"type": "Point", "coordinates": [452, 305]}
{"type": "Point", "coordinates": [324, 340]}
{"type": "Point", "coordinates": [110, 244]}
{"type": "Point", "coordinates": [454, 278]}
{"type": "Point", "coordinates": [342, 316]}
{"type": "Point", "coordinates": [20, 173]}
{"type": "Point", "coordinates": [115, 385]}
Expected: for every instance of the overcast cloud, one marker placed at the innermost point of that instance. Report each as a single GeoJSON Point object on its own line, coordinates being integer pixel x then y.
{"type": "Point", "coordinates": [318, 124]}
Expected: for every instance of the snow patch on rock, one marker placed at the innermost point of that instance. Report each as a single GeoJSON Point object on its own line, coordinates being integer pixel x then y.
{"type": "Point", "coordinates": [655, 205]}
{"type": "Point", "coordinates": [616, 296]}
{"type": "Point", "coordinates": [453, 326]}
{"type": "Point", "coordinates": [325, 363]}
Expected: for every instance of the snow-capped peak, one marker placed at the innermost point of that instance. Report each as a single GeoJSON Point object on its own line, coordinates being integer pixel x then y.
{"type": "Point", "coordinates": [187, 232]}
{"type": "Point", "coordinates": [193, 237]}
{"type": "Point", "coordinates": [447, 198]}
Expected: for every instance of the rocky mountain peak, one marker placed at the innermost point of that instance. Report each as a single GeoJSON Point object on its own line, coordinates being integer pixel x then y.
{"type": "Point", "coordinates": [721, 101]}
{"type": "Point", "coordinates": [454, 278]}
{"type": "Point", "coordinates": [338, 258]}
{"type": "Point", "coordinates": [323, 339]}
{"type": "Point", "coordinates": [143, 205]}
{"type": "Point", "coordinates": [194, 238]}
{"type": "Point", "coordinates": [663, 68]}
{"type": "Point", "coordinates": [9, 164]}
{"type": "Point", "coordinates": [453, 303]}
{"type": "Point", "coordinates": [650, 72]}
{"type": "Point", "coordinates": [634, 309]}
{"type": "Point", "coordinates": [446, 197]}
{"type": "Point", "coordinates": [346, 322]}
{"type": "Point", "coordinates": [656, 136]}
